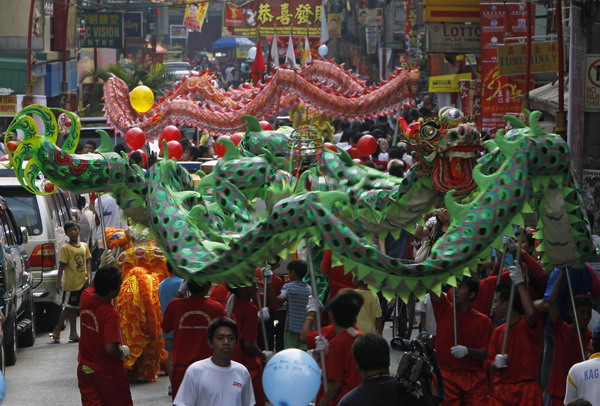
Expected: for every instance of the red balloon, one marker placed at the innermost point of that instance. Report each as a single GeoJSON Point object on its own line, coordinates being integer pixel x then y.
{"type": "Point", "coordinates": [220, 149]}
{"type": "Point", "coordinates": [354, 152]}
{"type": "Point", "coordinates": [265, 125]}
{"type": "Point", "coordinates": [330, 147]}
{"type": "Point", "coordinates": [175, 150]}
{"type": "Point", "coordinates": [135, 138]}
{"type": "Point", "coordinates": [237, 138]}
{"type": "Point", "coordinates": [144, 156]}
{"type": "Point", "coordinates": [170, 133]}
{"type": "Point", "coordinates": [367, 144]}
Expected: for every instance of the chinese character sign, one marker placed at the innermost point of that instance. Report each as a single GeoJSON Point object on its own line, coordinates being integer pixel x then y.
{"type": "Point", "coordinates": [194, 15]}
{"type": "Point", "coordinates": [275, 17]}
{"type": "Point", "coordinates": [500, 94]}
{"type": "Point", "coordinates": [103, 30]}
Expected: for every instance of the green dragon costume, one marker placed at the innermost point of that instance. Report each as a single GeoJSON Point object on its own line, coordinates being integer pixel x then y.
{"type": "Point", "coordinates": [212, 232]}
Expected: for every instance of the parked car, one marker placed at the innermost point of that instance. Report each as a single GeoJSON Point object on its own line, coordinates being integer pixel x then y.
{"type": "Point", "coordinates": [16, 287]}
{"type": "Point", "coordinates": [179, 69]}
{"type": "Point", "coordinates": [44, 217]}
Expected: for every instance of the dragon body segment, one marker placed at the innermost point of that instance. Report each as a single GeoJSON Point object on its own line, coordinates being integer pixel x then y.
{"type": "Point", "coordinates": [211, 232]}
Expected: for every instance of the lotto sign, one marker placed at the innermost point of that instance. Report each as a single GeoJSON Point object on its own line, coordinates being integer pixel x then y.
{"type": "Point", "coordinates": [592, 83]}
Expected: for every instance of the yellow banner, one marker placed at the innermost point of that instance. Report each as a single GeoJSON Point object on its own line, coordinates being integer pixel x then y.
{"type": "Point", "coordinates": [512, 58]}
{"type": "Point", "coordinates": [195, 12]}
{"type": "Point", "coordinates": [8, 104]}
{"type": "Point", "coordinates": [446, 83]}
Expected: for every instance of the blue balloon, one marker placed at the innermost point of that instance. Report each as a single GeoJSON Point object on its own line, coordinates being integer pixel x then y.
{"type": "Point", "coordinates": [2, 387]}
{"type": "Point", "coordinates": [291, 378]}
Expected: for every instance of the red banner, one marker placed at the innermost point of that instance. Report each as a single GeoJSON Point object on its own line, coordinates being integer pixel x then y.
{"type": "Point", "coordinates": [280, 17]}
{"type": "Point", "coordinates": [500, 94]}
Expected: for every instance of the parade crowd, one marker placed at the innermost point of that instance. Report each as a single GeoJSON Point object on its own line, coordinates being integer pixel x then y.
{"type": "Point", "coordinates": [513, 333]}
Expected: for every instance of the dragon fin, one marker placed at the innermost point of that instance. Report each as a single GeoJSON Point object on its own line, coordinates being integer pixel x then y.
{"type": "Point", "coordinates": [253, 124]}
{"type": "Point", "coordinates": [105, 143]}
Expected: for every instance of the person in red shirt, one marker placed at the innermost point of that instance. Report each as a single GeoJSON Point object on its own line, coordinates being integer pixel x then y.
{"type": "Point", "coordinates": [567, 351]}
{"type": "Point", "coordinates": [462, 363]}
{"type": "Point", "coordinates": [338, 278]}
{"type": "Point", "coordinates": [189, 318]}
{"type": "Point", "coordinates": [247, 353]}
{"type": "Point", "coordinates": [101, 374]}
{"type": "Point", "coordinates": [274, 285]}
{"type": "Point", "coordinates": [514, 374]}
{"type": "Point", "coordinates": [342, 372]}
{"type": "Point", "coordinates": [219, 293]}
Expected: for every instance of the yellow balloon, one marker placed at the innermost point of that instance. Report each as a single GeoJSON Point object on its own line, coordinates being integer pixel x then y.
{"type": "Point", "coordinates": [141, 98]}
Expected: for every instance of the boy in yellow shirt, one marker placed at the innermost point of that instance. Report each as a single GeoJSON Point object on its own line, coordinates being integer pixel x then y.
{"type": "Point", "coordinates": [74, 262]}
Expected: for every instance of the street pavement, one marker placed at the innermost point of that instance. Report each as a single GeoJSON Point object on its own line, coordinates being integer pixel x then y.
{"type": "Point", "coordinates": [45, 374]}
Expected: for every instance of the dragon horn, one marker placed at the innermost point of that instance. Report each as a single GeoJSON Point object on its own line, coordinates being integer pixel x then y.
{"type": "Point", "coordinates": [253, 124]}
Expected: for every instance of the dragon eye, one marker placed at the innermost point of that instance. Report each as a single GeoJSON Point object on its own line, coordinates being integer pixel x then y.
{"type": "Point", "coordinates": [454, 115]}
{"type": "Point", "coordinates": [428, 131]}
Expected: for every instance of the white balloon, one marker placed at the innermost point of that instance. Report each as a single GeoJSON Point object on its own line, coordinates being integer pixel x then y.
{"type": "Point", "coordinates": [323, 50]}
{"type": "Point", "coordinates": [252, 53]}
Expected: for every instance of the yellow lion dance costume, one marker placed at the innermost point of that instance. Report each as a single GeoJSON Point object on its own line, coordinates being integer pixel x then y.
{"type": "Point", "coordinates": [143, 267]}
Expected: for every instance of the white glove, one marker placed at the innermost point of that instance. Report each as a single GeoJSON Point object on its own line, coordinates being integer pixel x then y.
{"type": "Point", "coordinates": [267, 274]}
{"type": "Point", "coordinates": [500, 361]}
{"type": "Point", "coordinates": [516, 274]}
{"type": "Point", "coordinates": [459, 351]}
{"type": "Point", "coordinates": [509, 244]}
{"type": "Point", "coordinates": [124, 351]}
{"type": "Point", "coordinates": [107, 258]}
{"type": "Point", "coordinates": [321, 344]}
{"type": "Point", "coordinates": [263, 314]}
{"type": "Point", "coordinates": [268, 355]}
{"type": "Point", "coordinates": [313, 305]}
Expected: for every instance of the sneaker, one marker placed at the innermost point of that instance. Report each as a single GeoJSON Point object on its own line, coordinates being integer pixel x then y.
{"type": "Point", "coordinates": [169, 392]}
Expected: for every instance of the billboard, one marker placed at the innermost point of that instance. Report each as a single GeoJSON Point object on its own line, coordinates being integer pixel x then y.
{"type": "Point", "coordinates": [453, 38]}
{"type": "Point", "coordinates": [103, 30]}
{"type": "Point", "coordinates": [275, 17]}
{"type": "Point", "coordinates": [512, 58]}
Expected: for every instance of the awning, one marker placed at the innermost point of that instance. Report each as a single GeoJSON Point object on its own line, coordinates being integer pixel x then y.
{"type": "Point", "coordinates": [545, 97]}
{"type": "Point", "coordinates": [232, 43]}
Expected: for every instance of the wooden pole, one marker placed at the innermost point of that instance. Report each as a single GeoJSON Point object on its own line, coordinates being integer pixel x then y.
{"type": "Point", "coordinates": [561, 115]}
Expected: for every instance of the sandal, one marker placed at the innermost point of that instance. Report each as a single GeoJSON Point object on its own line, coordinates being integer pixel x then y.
{"type": "Point", "coordinates": [73, 340]}
{"type": "Point", "coordinates": [55, 339]}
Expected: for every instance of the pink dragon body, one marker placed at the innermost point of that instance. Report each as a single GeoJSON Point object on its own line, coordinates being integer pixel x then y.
{"type": "Point", "coordinates": [198, 102]}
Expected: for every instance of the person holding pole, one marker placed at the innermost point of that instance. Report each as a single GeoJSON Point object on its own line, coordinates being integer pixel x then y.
{"type": "Point", "coordinates": [461, 345]}
{"type": "Point", "coordinates": [567, 349]}
{"type": "Point", "coordinates": [101, 374]}
{"type": "Point", "coordinates": [342, 372]}
{"type": "Point", "coordinates": [583, 380]}
{"type": "Point", "coordinates": [514, 352]}
{"type": "Point", "coordinates": [295, 294]}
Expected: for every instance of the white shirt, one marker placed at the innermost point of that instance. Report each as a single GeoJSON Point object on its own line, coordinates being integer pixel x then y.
{"type": "Point", "coordinates": [112, 215]}
{"type": "Point", "coordinates": [583, 380]}
{"type": "Point", "coordinates": [424, 306]}
{"type": "Point", "coordinates": [206, 383]}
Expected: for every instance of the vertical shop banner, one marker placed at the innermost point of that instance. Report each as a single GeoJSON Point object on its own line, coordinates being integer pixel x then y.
{"type": "Point", "coordinates": [194, 15]}
{"type": "Point", "coordinates": [334, 25]}
{"type": "Point", "coordinates": [372, 35]}
{"type": "Point", "coordinates": [500, 94]}
{"type": "Point", "coordinates": [274, 17]}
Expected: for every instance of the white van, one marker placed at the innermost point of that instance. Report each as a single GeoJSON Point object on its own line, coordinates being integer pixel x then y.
{"type": "Point", "coordinates": [44, 218]}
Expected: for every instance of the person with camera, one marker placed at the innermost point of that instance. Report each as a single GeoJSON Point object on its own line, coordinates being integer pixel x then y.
{"type": "Point", "coordinates": [372, 355]}
{"type": "Point", "coordinates": [462, 355]}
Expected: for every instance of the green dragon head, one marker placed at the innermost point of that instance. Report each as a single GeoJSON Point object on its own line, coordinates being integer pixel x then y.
{"type": "Point", "coordinates": [448, 149]}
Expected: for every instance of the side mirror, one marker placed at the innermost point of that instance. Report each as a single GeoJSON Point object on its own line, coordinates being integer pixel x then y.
{"type": "Point", "coordinates": [24, 236]}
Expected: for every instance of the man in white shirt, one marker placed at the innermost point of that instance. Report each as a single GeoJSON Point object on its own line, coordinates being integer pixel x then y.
{"type": "Point", "coordinates": [217, 380]}
{"type": "Point", "coordinates": [583, 380]}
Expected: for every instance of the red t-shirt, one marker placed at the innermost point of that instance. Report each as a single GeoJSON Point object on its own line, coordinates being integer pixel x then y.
{"type": "Point", "coordinates": [566, 354]}
{"type": "Point", "coordinates": [276, 284]}
{"type": "Point", "coordinates": [474, 331]}
{"type": "Point", "coordinates": [341, 366]}
{"type": "Point", "coordinates": [99, 324]}
{"type": "Point", "coordinates": [523, 348]}
{"type": "Point", "coordinates": [245, 315]}
{"type": "Point", "coordinates": [485, 295]}
{"type": "Point", "coordinates": [328, 332]}
{"type": "Point", "coordinates": [220, 293]}
{"type": "Point", "coordinates": [338, 279]}
{"type": "Point", "coordinates": [189, 318]}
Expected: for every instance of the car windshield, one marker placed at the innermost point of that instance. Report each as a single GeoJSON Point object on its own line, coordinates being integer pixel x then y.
{"type": "Point", "coordinates": [172, 67]}
{"type": "Point", "coordinates": [25, 209]}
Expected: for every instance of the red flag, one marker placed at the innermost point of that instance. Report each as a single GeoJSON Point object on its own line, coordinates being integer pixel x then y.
{"type": "Point", "coordinates": [258, 67]}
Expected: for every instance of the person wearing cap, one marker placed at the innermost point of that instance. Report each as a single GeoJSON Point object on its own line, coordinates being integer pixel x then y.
{"type": "Point", "coordinates": [583, 380]}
